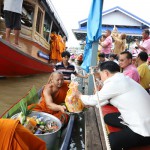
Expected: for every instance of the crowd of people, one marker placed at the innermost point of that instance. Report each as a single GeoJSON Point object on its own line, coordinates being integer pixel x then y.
{"type": "Point", "coordinates": [125, 75]}
{"type": "Point", "coordinates": [133, 64]}
{"type": "Point", "coordinates": [126, 85]}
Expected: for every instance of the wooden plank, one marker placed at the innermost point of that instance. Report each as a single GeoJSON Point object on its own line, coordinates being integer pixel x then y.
{"type": "Point", "coordinates": [92, 136]}
{"type": "Point", "coordinates": [100, 130]}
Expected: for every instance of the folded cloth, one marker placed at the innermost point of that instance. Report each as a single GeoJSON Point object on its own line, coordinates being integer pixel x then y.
{"type": "Point", "coordinates": [16, 137]}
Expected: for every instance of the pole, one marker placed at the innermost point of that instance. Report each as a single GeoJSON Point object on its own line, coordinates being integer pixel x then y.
{"type": "Point", "coordinates": [93, 63]}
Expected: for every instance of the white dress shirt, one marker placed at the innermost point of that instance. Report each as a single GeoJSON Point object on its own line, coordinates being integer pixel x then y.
{"type": "Point", "coordinates": [131, 99]}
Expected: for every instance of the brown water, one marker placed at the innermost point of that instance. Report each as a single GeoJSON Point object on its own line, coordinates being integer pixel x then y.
{"type": "Point", "coordinates": [13, 89]}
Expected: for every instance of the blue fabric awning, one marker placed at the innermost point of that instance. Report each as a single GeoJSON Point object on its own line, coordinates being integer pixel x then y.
{"type": "Point", "coordinates": [129, 30]}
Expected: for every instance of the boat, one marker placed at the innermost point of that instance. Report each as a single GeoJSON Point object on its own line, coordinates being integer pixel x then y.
{"type": "Point", "coordinates": [31, 97]}
{"type": "Point", "coordinates": [39, 19]}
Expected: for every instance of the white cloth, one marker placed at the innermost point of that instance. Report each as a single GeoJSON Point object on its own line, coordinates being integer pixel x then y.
{"type": "Point", "coordinates": [131, 99]}
{"type": "Point", "coordinates": [13, 5]}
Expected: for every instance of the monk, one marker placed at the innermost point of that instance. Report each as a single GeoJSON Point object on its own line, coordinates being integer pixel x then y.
{"type": "Point", "coordinates": [16, 137]}
{"type": "Point", "coordinates": [53, 96]}
{"type": "Point", "coordinates": [53, 47]}
{"type": "Point", "coordinates": [61, 46]}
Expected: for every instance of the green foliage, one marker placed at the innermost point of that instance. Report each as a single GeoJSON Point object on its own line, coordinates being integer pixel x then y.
{"type": "Point", "coordinates": [30, 98]}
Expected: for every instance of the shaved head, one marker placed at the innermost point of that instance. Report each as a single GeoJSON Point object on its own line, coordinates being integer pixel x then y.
{"type": "Point", "coordinates": [54, 75]}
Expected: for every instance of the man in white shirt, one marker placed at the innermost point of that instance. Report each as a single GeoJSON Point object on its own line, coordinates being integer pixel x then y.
{"type": "Point", "coordinates": [12, 14]}
{"type": "Point", "coordinates": [133, 103]}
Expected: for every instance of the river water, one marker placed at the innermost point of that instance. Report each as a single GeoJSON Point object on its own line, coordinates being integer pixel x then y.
{"type": "Point", "coordinates": [13, 89]}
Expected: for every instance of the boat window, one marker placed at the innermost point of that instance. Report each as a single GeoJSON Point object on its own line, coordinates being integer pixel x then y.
{"type": "Point", "coordinates": [27, 14]}
{"type": "Point", "coordinates": [39, 21]}
{"type": "Point", "coordinates": [47, 26]}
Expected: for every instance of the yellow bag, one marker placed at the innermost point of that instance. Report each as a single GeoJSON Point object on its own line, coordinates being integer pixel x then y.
{"type": "Point", "coordinates": [73, 104]}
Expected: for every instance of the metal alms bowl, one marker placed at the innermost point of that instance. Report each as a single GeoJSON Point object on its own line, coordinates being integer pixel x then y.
{"type": "Point", "coordinates": [49, 138]}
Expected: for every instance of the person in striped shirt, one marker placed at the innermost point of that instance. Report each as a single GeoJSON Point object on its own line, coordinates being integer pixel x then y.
{"type": "Point", "coordinates": [67, 68]}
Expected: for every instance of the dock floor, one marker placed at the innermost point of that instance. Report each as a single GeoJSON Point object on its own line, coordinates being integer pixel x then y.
{"type": "Point", "coordinates": [94, 137]}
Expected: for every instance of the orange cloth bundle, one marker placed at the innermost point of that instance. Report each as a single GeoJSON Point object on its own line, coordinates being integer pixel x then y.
{"type": "Point", "coordinates": [73, 104]}
{"type": "Point", "coordinates": [15, 137]}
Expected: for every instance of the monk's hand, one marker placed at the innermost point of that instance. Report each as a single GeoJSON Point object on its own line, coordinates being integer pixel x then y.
{"type": "Point", "coordinates": [62, 108]}
{"type": "Point", "coordinates": [87, 106]}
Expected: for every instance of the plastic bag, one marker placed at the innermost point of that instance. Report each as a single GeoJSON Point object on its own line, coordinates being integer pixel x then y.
{"type": "Point", "coordinates": [73, 104]}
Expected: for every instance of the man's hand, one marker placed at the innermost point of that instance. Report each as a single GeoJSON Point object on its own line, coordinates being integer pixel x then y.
{"type": "Point", "coordinates": [78, 94]}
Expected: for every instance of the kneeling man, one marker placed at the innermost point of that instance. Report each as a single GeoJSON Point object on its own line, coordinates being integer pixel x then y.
{"type": "Point", "coordinates": [133, 103]}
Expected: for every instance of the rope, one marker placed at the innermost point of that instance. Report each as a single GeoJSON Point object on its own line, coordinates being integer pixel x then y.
{"type": "Point", "coordinates": [101, 115]}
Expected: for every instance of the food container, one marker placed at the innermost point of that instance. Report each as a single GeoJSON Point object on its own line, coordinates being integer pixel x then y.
{"type": "Point", "coordinates": [49, 138]}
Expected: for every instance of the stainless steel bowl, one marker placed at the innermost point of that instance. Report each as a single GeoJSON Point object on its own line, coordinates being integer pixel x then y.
{"type": "Point", "coordinates": [49, 138]}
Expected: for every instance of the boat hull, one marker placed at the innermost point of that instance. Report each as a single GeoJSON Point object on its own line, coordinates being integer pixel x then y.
{"type": "Point", "coordinates": [14, 62]}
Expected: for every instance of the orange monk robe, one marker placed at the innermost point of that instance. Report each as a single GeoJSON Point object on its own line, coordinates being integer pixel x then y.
{"type": "Point", "coordinates": [61, 46]}
{"type": "Point", "coordinates": [13, 136]}
{"type": "Point", "coordinates": [53, 46]}
{"type": "Point", "coordinates": [58, 99]}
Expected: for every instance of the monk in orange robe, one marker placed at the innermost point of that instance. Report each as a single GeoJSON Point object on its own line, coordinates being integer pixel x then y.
{"type": "Point", "coordinates": [16, 137]}
{"type": "Point", "coordinates": [53, 96]}
{"type": "Point", "coordinates": [61, 46]}
{"type": "Point", "coordinates": [53, 47]}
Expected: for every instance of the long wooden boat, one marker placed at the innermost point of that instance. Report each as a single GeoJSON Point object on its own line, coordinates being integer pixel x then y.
{"type": "Point", "coordinates": [33, 97]}
{"type": "Point", "coordinates": [39, 19]}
